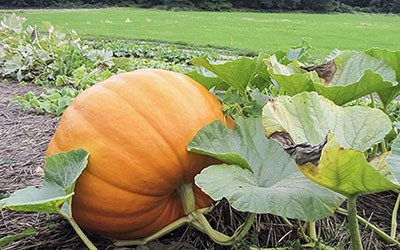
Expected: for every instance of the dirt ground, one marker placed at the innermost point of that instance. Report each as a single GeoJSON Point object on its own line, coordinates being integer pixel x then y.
{"type": "Point", "coordinates": [23, 140]}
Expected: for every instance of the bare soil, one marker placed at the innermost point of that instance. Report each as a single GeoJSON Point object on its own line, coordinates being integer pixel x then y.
{"type": "Point", "coordinates": [23, 140]}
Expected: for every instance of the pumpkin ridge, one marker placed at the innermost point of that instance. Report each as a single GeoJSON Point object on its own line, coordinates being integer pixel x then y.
{"type": "Point", "coordinates": [97, 211]}
{"type": "Point", "coordinates": [175, 87]}
{"type": "Point", "coordinates": [82, 116]}
{"type": "Point", "coordinates": [89, 171]}
{"type": "Point", "coordinates": [181, 84]}
{"type": "Point", "coordinates": [160, 173]}
{"type": "Point", "coordinates": [167, 211]}
{"type": "Point", "coordinates": [175, 82]}
{"type": "Point", "coordinates": [87, 213]}
{"type": "Point", "coordinates": [150, 124]}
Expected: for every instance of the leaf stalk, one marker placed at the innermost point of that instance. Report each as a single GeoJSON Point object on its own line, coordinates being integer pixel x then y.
{"type": "Point", "coordinates": [353, 222]}
{"type": "Point", "coordinates": [312, 231]}
{"type": "Point", "coordinates": [78, 230]}
{"type": "Point", "coordinates": [394, 218]}
{"type": "Point", "coordinates": [186, 195]}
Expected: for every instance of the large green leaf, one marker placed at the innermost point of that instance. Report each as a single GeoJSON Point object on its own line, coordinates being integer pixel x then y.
{"type": "Point", "coordinates": [61, 173]}
{"type": "Point", "coordinates": [238, 73]}
{"type": "Point", "coordinates": [206, 78]}
{"type": "Point", "coordinates": [291, 78]}
{"type": "Point", "coordinates": [393, 59]}
{"type": "Point", "coordinates": [346, 171]}
{"type": "Point", "coordinates": [356, 75]}
{"type": "Point", "coordinates": [274, 185]}
{"type": "Point", "coordinates": [308, 117]}
{"type": "Point", "coordinates": [349, 76]}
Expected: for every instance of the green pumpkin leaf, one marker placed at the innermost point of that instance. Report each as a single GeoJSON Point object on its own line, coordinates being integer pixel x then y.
{"type": "Point", "coordinates": [61, 172]}
{"type": "Point", "coordinates": [274, 185]}
{"type": "Point", "coordinates": [206, 78]}
{"type": "Point", "coordinates": [64, 169]}
{"type": "Point", "coordinates": [238, 73]}
{"type": "Point", "coordinates": [308, 117]}
{"type": "Point", "coordinates": [346, 171]}
{"type": "Point", "coordinates": [55, 196]}
{"type": "Point", "coordinates": [291, 78]}
{"type": "Point", "coordinates": [392, 58]}
{"type": "Point", "coordinates": [356, 75]}
{"type": "Point", "coordinates": [349, 76]}
{"type": "Point", "coordinates": [31, 199]}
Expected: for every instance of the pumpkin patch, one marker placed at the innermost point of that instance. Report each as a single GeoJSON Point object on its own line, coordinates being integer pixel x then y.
{"type": "Point", "coordinates": [277, 139]}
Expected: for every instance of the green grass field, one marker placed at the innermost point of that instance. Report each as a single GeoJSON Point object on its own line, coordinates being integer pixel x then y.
{"type": "Point", "coordinates": [249, 31]}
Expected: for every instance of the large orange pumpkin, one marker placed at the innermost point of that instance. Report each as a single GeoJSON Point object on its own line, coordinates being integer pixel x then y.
{"type": "Point", "coordinates": [136, 127]}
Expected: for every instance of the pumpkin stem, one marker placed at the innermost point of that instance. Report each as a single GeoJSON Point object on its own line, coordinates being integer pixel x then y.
{"type": "Point", "coordinates": [186, 195]}
{"type": "Point", "coordinates": [195, 218]}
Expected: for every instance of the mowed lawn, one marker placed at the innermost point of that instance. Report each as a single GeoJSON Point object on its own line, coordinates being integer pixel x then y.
{"type": "Point", "coordinates": [250, 31]}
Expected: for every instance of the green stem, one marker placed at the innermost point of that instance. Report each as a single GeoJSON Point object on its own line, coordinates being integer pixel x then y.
{"type": "Point", "coordinates": [78, 230]}
{"type": "Point", "coordinates": [383, 146]}
{"type": "Point", "coordinates": [171, 227]}
{"type": "Point", "coordinates": [246, 226]}
{"type": "Point", "coordinates": [394, 218]}
{"type": "Point", "coordinates": [353, 223]}
{"type": "Point", "coordinates": [201, 223]}
{"type": "Point", "coordinates": [374, 151]}
{"type": "Point", "coordinates": [376, 230]}
{"type": "Point", "coordinates": [303, 232]}
{"type": "Point", "coordinates": [372, 100]}
{"type": "Point", "coordinates": [186, 194]}
{"type": "Point", "coordinates": [312, 232]}
{"type": "Point", "coordinates": [287, 221]}
{"type": "Point", "coordinates": [385, 106]}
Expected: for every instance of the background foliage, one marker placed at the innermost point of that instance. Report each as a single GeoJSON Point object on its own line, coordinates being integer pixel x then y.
{"type": "Point", "coordinates": [221, 5]}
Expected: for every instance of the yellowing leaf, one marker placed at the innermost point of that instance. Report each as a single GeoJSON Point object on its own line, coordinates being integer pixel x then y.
{"type": "Point", "coordinates": [346, 171]}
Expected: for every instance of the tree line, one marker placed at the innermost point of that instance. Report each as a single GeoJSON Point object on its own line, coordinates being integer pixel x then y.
{"type": "Point", "coordinates": [386, 6]}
